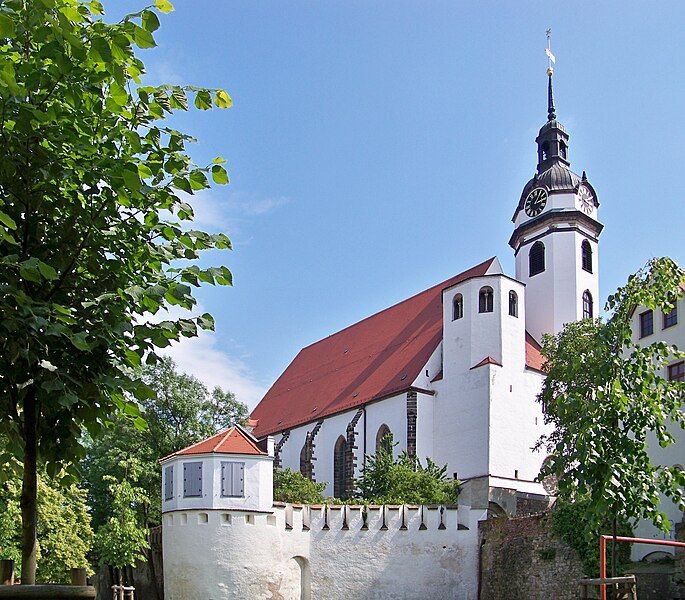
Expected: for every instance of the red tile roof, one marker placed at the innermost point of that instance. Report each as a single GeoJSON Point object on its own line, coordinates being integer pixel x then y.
{"type": "Point", "coordinates": [534, 358]}
{"type": "Point", "coordinates": [488, 360]}
{"type": "Point", "coordinates": [233, 440]}
{"type": "Point", "coordinates": [379, 356]}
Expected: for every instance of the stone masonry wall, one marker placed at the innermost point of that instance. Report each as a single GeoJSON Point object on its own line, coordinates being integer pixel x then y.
{"type": "Point", "coordinates": [522, 559]}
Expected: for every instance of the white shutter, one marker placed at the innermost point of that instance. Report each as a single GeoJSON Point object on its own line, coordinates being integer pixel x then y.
{"type": "Point", "coordinates": [192, 479]}
{"type": "Point", "coordinates": [169, 482]}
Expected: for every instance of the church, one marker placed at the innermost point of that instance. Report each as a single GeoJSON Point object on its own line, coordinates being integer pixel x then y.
{"type": "Point", "coordinates": [452, 373]}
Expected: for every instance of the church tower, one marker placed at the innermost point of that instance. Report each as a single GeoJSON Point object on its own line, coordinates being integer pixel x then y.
{"type": "Point", "coordinates": [556, 235]}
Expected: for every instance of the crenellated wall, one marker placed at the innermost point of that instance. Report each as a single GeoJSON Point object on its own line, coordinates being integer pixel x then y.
{"type": "Point", "coordinates": [322, 551]}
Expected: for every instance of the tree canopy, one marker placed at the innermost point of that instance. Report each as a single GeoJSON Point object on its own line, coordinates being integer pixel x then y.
{"type": "Point", "coordinates": [95, 231]}
{"type": "Point", "coordinates": [608, 401]}
{"type": "Point", "coordinates": [292, 486]}
{"type": "Point", "coordinates": [181, 412]}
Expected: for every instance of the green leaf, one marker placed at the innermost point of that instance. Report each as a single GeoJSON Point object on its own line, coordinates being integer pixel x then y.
{"type": "Point", "coordinates": [203, 100]}
{"type": "Point", "coordinates": [101, 50]}
{"type": "Point", "coordinates": [118, 93]}
{"type": "Point", "coordinates": [6, 26]}
{"type": "Point", "coordinates": [149, 20]}
{"type": "Point", "coordinates": [28, 270]}
{"type": "Point", "coordinates": [6, 220]}
{"type": "Point", "coordinates": [222, 99]}
{"type": "Point", "coordinates": [47, 271]}
{"type": "Point", "coordinates": [219, 175]}
{"type": "Point", "coordinates": [164, 6]}
{"type": "Point", "coordinates": [143, 38]}
{"type": "Point", "coordinates": [79, 341]}
{"type": "Point", "coordinates": [198, 180]}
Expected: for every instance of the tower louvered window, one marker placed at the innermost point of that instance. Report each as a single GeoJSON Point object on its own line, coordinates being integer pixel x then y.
{"type": "Point", "coordinates": [513, 304]}
{"type": "Point", "coordinates": [586, 252]}
{"type": "Point", "coordinates": [536, 259]}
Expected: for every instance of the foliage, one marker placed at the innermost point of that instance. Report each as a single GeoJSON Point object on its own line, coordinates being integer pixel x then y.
{"type": "Point", "coordinates": [94, 227]}
{"type": "Point", "coordinates": [570, 522]}
{"type": "Point", "coordinates": [404, 480]}
{"type": "Point", "coordinates": [607, 400]}
{"type": "Point", "coordinates": [63, 528]}
{"type": "Point", "coordinates": [292, 486]}
{"type": "Point", "coordinates": [122, 539]}
{"type": "Point", "coordinates": [181, 413]}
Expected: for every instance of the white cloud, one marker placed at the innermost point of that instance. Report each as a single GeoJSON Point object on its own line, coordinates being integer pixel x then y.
{"type": "Point", "coordinates": [201, 357]}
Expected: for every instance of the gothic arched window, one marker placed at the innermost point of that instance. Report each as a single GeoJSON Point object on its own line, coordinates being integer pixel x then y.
{"type": "Point", "coordinates": [545, 151]}
{"type": "Point", "coordinates": [562, 150]}
{"type": "Point", "coordinates": [513, 304]}
{"type": "Point", "coordinates": [384, 439]}
{"type": "Point", "coordinates": [485, 299]}
{"type": "Point", "coordinates": [458, 307]}
{"type": "Point", "coordinates": [339, 468]}
{"type": "Point", "coordinates": [588, 308]}
{"type": "Point", "coordinates": [306, 459]}
{"type": "Point", "coordinates": [586, 255]}
{"type": "Point", "coordinates": [536, 259]}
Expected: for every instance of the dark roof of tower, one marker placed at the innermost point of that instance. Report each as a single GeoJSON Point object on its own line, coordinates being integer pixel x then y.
{"type": "Point", "coordinates": [557, 178]}
{"type": "Point", "coordinates": [552, 124]}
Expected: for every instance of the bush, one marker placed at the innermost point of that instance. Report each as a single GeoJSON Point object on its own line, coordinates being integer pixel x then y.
{"type": "Point", "coordinates": [405, 480]}
{"type": "Point", "coordinates": [292, 486]}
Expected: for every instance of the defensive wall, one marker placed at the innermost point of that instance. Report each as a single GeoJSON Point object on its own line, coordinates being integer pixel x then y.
{"type": "Point", "coordinates": [327, 552]}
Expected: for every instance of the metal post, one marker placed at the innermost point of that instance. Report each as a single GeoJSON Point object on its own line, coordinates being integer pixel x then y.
{"type": "Point", "coordinates": [78, 576]}
{"type": "Point", "coordinates": [7, 571]}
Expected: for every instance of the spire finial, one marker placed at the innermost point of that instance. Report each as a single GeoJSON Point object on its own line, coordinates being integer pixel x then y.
{"type": "Point", "coordinates": [551, 113]}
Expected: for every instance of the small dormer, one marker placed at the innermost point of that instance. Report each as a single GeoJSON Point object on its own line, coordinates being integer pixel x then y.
{"type": "Point", "coordinates": [230, 470]}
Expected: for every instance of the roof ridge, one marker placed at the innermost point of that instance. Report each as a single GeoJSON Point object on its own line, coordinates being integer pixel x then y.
{"type": "Point", "coordinates": [223, 439]}
{"type": "Point", "coordinates": [442, 283]}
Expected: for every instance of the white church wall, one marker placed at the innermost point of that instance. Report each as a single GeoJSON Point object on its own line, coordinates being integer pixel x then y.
{"type": "Point", "coordinates": [425, 426]}
{"type": "Point", "coordinates": [222, 555]}
{"type": "Point", "coordinates": [673, 454]}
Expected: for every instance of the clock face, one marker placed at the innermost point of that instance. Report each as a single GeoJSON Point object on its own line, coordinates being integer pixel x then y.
{"type": "Point", "coordinates": [535, 202]}
{"type": "Point", "coordinates": [587, 202]}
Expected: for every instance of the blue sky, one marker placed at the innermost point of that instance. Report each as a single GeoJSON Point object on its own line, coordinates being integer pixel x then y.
{"type": "Point", "coordinates": [377, 148]}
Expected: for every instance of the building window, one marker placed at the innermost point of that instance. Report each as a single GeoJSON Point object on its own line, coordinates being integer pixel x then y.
{"type": "Point", "coordinates": [339, 467]}
{"type": "Point", "coordinates": [545, 151]}
{"type": "Point", "coordinates": [458, 307]}
{"type": "Point", "coordinates": [586, 252]}
{"type": "Point", "coordinates": [536, 259]}
{"type": "Point", "coordinates": [513, 304]}
{"type": "Point", "coordinates": [232, 479]}
{"type": "Point", "coordinates": [588, 305]}
{"type": "Point", "coordinates": [304, 462]}
{"type": "Point", "coordinates": [646, 323]}
{"type": "Point", "coordinates": [192, 479]}
{"type": "Point", "coordinates": [562, 150]}
{"type": "Point", "coordinates": [384, 439]}
{"type": "Point", "coordinates": [485, 300]}
{"type": "Point", "coordinates": [671, 318]}
{"type": "Point", "coordinates": [676, 372]}
{"type": "Point", "coordinates": [169, 482]}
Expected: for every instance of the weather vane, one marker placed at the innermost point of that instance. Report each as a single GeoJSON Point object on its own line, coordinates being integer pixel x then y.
{"type": "Point", "coordinates": [551, 59]}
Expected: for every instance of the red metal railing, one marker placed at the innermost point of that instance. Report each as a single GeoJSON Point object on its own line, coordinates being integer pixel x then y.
{"type": "Point", "coordinates": [632, 540]}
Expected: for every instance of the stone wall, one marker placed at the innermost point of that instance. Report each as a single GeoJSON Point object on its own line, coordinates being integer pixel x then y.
{"type": "Point", "coordinates": [522, 559]}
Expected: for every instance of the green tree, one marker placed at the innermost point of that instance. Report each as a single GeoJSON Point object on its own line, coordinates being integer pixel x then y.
{"type": "Point", "coordinates": [94, 236]}
{"type": "Point", "coordinates": [386, 480]}
{"type": "Point", "coordinates": [122, 540]}
{"type": "Point", "coordinates": [608, 401]}
{"type": "Point", "coordinates": [63, 527]}
{"type": "Point", "coordinates": [180, 413]}
{"type": "Point", "coordinates": [292, 486]}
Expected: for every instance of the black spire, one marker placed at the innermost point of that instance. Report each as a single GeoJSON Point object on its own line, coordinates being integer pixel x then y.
{"type": "Point", "coordinates": [551, 114]}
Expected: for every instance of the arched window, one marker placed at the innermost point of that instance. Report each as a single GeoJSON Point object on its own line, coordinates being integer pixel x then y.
{"type": "Point", "coordinates": [458, 307]}
{"type": "Point", "coordinates": [536, 259]}
{"type": "Point", "coordinates": [513, 304]}
{"type": "Point", "coordinates": [588, 308]}
{"type": "Point", "coordinates": [384, 439]}
{"type": "Point", "coordinates": [339, 467]}
{"type": "Point", "coordinates": [562, 150]}
{"type": "Point", "coordinates": [303, 460]}
{"type": "Point", "coordinates": [586, 254]}
{"type": "Point", "coordinates": [545, 151]}
{"type": "Point", "coordinates": [485, 299]}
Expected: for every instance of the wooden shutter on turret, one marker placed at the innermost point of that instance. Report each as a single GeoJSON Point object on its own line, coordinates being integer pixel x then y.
{"type": "Point", "coordinates": [169, 482]}
{"type": "Point", "coordinates": [192, 479]}
{"type": "Point", "coordinates": [232, 479]}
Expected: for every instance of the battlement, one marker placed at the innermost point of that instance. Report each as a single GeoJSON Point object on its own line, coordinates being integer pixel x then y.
{"type": "Point", "coordinates": [333, 517]}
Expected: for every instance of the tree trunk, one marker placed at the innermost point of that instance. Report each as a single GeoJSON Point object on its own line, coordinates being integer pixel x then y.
{"type": "Point", "coordinates": [29, 489]}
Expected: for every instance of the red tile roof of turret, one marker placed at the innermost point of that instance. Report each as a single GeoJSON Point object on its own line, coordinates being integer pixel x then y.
{"type": "Point", "coordinates": [233, 440]}
{"type": "Point", "coordinates": [380, 356]}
